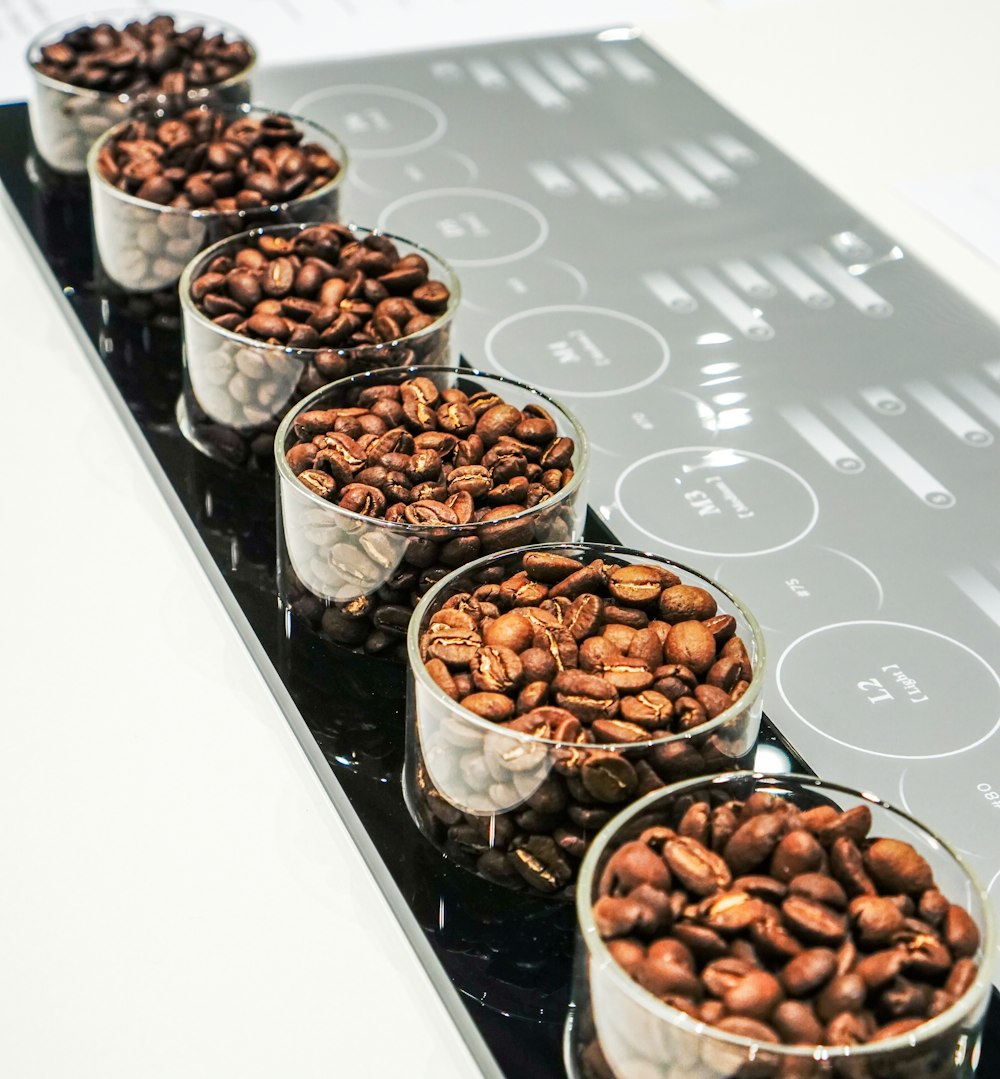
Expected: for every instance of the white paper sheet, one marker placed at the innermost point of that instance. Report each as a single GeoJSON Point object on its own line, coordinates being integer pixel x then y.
{"type": "Point", "coordinates": [967, 202]}
{"type": "Point", "coordinates": [289, 30]}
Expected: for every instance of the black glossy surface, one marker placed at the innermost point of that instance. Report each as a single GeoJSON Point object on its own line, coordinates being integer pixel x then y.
{"type": "Point", "coordinates": [508, 955]}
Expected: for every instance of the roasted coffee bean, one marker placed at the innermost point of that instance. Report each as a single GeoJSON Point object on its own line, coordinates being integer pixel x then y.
{"type": "Point", "coordinates": [854, 973]}
{"type": "Point", "coordinates": [565, 670]}
{"type": "Point", "coordinates": [690, 644]}
{"type": "Point", "coordinates": [143, 58]}
{"type": "Point", "coordinates": [896, 867]}
{"type": "Point", "coordinates": [587, 696]}
{"type": "Point", "coordinates": [797, 852]}
{"type": "Point", "coordinates": [178, 165]}
{"type": "Point", "coordinates": [809, 971]}
{"type": "Point", "coordinates": [753, 842]}
{"type": "Point", "coordinates": [407, 474]}
{"type": "Point", "coordinates": [683, 603]}
{"type": "Point", "coordinates": [608, 778]}
{"type": "Point", "coordinates": [700, 870]}
{"type": "Point", "coordinates": [633, 864]}
{"type": "Point", "coordinates": [756, 995]}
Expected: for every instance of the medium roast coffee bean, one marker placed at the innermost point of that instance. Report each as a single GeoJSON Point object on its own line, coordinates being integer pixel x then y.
{"type": "Point", "coordinates": [780, 948]}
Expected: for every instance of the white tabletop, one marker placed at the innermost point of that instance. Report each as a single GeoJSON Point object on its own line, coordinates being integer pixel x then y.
{"type": "Point", "coordinates": [179, 895]}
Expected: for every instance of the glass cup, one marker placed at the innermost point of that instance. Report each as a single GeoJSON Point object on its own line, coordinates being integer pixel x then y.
{"type": "Point", "coordinates": [66, 119]}
{"type": "Point", "coordinates": [236, 389]}
{"type": "Point", "coordinates": [618, 1029]}
{"type": "Point", "coordinates": [522, 810]}
{"type": "Point", "coordinates": [143, 247]}
{"type": "Point", "coordinates": [354, 580]}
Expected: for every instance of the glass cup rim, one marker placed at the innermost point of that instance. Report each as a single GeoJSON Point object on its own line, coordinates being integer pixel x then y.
{"type": "Point", "coordinates": [486, 726]}
{"type": "Point", "coordinates": [203, 258]}
{"type": "Point", "coordinates": [119, 17]}
{"type": "Point", "coordinates": [405, 528]}
{"type": "Point", "coordinates": [597, 949]}
{"type": "Point", "coordinates": [247, 108]}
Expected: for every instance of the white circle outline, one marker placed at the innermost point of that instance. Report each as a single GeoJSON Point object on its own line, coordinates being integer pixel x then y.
{"type": "Point", "coordinates": [559, 264]}
{"type": "Point", "coordinates": [373, 189]}
{"type": "Point", "coordinates": [698, 550]}
{"type": "Point", "coordinates": [966, 852]}
{"type": "Point", "coordinates": [437, 114]}
{"type": "Point", "coordinates": [658, 338]}
{"type": "Point", "coordinates": [485, 192]}
{"type": "Point", "coordinates": [873, 752]}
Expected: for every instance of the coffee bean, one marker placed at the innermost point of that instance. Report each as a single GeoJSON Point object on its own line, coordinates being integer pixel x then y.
{"type": "Point", "coordinates": [552, 623]}
{"type": "Point", "coordinates": [895, 866]}
{"type": "Point", "coordinates": [797, 852]}
{"type": "Point", "coordinates": [496, 669]}
{"type": "Point", "coordinates": [151, 57]}
{"type": "Point", "coordinates": [809, 971]}
{"type": "Point", "coordinates": [700, 870]}
{"type": "Point", "coordinates": [633, 864]}
{"type": "Point", "coordinates": [663, 976]}
{"type": "Point", "coordinates": [796, 1022]}
{"type": "Point", "coordinates": [608, 778]}
{"type": "Point", "coordinates": [854, 974]}
{"type": "Point", "coordinates": [755, 995]}
{"type": "Point", "coordinates": [587, 696]}
{"type": "Point", "coordinates": [541, 864]}
{"type": "Point", "coordinates": [753, 842]}
{"type": "Point", "coordinates": [176, 165]}
{"type": "Point", "coordinates": [689, 643]}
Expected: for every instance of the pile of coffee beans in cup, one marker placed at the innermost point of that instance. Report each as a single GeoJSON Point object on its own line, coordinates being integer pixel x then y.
{"type": "Point", "coordinates": [426, 456]}
{"type": "Point", "coordinates": [785, 925]}
{"type": "Point", "coordinates": [209, 160]}
{"type": "Point", "coordinates": [614, 668]}
{"type": "Point", "coordinates": [460, 474]}
{"type": "Point", "coordinates": [325, 288]}
{"type": "Point", "coordinates": [143, 58]}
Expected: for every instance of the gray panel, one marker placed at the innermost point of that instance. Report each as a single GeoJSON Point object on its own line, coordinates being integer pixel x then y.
{"type": "Point", "coordinates": [777, 393]}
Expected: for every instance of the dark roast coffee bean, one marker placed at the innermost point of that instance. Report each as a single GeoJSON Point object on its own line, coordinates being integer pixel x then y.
{"type": "Point", "coordinates": [151, 57]}
{"type": "Point", "coordinates": [146, 156]}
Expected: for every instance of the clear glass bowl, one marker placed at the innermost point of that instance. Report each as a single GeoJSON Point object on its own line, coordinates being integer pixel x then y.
{"type": "Point", "coordinates": [354, 580]}
{"type": "Point", "coordinates": [522, 810]}
{"type": "Point", "coordinates": [143, 247]}
{"type": "Point", "coordinates": [236, 389]}
{"type": "Point", "coordinates": [66, 119]}
{"type": "Point", "coordinates": [618, 1029]}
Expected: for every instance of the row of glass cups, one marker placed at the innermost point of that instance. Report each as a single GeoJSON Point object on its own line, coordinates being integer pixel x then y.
{"type": "Point", "coordinates": [236, 388]}
{"type": "Point", "coordinates": [142, 246]}
{"type": "Point", "coordinates": [538, 812]}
